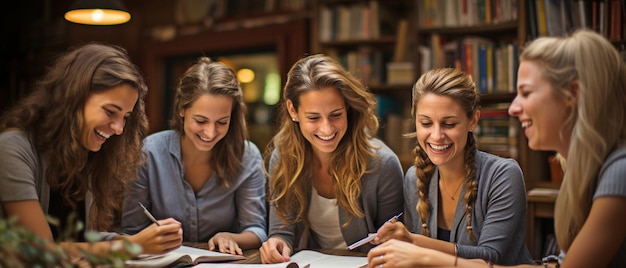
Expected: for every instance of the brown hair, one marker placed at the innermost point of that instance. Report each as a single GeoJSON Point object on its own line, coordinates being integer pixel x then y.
{"type": "Point", "coordinates": [53, 117]}
{"type": "Point", "coordinates": [211, 77]}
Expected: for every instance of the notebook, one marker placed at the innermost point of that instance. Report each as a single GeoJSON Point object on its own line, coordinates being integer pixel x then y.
{"type": "Point", "coordinates": [180, 256]}
{"type": "Point", "coordinates": [303, 259]}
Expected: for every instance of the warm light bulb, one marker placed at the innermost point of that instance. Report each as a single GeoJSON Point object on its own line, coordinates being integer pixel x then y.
{"type": "Point", "coordinates": [97, 15]}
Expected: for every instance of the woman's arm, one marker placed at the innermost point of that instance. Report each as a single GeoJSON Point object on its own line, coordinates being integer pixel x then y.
{"type": "Point", "coordinates": [395, 253]}
{"type": "Point", "coordinates": [251, 204]}
{"type": "Point", "coordinates": [601, 236]}
{"type": "Point", "coordinates": [30, 215]}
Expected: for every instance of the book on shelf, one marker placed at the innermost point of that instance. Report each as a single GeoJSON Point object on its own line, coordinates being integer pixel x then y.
{"type": "Point", "coordinates": [303, 259]}
{"type": "Point", "coordinates": [497, 132]}
{"type": "Point", "coordinates": [181, 256]}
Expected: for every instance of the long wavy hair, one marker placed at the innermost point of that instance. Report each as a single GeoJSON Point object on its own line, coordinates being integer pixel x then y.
{"type": "Point", "coordinates": [595, 126]}
{"type": "Point", "coordinates": [52, 115]}
{"type": "Point", "coordinates": [290, 180]}
{"type": "Point", "coordinates": [459, 86]}
{"type": "Point", "coordinates": [208, 77]}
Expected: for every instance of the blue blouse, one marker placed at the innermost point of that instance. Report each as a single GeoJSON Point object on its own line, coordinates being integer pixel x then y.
{"type": "Point", "coordinates": [161, 187]}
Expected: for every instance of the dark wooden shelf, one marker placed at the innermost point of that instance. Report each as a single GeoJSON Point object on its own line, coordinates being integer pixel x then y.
{"type": "Point", "coordinates": [492, 28]}
{"type": "Point", "coordinates": [388, 87]}
{"type": "Point", "coordinates": [382, 41]}
{"type": "Point", "coordinates": [497, 98]}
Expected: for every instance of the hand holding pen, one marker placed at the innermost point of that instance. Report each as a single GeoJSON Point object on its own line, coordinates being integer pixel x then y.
{"type": "Point", "coordinates": [371, 236]}
{"type": "Point", "coordinates": [392, 229]}
{"type": "Point", "coordinates": [167, 235]}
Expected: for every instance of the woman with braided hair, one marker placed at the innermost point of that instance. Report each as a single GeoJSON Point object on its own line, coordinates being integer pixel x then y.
{"type": "Point", "coordinates": [458, 200]}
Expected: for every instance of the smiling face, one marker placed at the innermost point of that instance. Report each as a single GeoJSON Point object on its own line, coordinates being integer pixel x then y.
{"type": "Point", "coordinates": [206, 121]}
{"type": "Point", "coordinates": [105, 115]}
{"type": "Point", "coordinates": [540, 111]}
{"type": "Point", "coordinates": [442, 127]}
{"type": "Point", "coordinates": [323, 118]}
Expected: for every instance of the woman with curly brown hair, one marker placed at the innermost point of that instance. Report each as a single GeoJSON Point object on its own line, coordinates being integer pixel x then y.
{"type": "Point", "coordinates": [331, 182]}
{"type": "Point", "coordinates": [459, 200]}
{"type": "Point", "coordinates": [71, 147]}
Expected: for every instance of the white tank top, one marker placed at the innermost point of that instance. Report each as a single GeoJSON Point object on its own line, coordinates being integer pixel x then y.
{"type": "Point", "coordinates": [324, 219]}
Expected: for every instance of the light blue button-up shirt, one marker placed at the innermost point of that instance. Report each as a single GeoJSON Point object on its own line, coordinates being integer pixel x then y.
{"type": "Point", "coordinates": [161, 187]}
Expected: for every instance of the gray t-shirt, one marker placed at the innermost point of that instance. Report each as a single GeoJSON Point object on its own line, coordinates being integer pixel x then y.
{"type": "Point", "coordinates": [22, 175]}
{"type": "Point", "coordinates": [612, 182]}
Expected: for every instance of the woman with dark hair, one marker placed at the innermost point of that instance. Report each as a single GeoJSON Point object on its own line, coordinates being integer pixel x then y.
{"type": "Point", "coordinates": [72, 146]}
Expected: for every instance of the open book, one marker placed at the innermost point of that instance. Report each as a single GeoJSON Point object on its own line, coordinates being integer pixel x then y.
{"type": "Point", "coordinates": [181, 255]}
{"type": "Point", "coordinates": [303, 259]}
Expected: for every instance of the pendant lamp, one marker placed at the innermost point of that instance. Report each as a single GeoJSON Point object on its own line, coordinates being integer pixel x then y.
{"type": "Point", "coordinates": [98, 12]}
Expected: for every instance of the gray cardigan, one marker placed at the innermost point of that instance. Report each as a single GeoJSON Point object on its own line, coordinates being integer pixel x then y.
{"type": "Point", "coordinates": [381, 199]}
{"type": "Point", "coordinates": [498, 214]}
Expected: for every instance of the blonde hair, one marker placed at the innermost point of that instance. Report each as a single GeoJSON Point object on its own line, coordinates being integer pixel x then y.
{"type": "Point", "coordinates": [459, 86]}
{"type": "Point", "coordinates": [208, 77]}
{"type": "Point", "coordinates": [290, 181]}
{"type": "Point", "coordinates": [597, 127]}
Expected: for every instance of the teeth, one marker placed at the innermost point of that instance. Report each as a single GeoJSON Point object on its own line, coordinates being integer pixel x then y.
{"type": "Point", "coordinates": [104, 135]}
{"type": "Point", "coordinates": [440, 148]}
{"type": "Point", "coordinates": [526, 124]}
{"type": "Point", "coordinates": [204, 139]}
{"type": "Point", "coordinates": [327, 137]}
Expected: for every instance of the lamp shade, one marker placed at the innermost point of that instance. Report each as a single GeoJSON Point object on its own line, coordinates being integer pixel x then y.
{"type": "Point", "coordinates": [98, 12]}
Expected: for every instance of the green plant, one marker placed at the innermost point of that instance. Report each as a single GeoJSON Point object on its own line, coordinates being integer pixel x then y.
{"type": "Point", "coordinates": [19, 247]}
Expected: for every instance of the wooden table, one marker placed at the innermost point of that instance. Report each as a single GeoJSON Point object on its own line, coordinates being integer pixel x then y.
{"type": "Point", "coordinates": [253, 256]}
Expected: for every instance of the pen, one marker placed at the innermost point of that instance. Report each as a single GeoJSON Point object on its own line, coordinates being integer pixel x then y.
{"type": "Point", "coordinates": [145, 211]}
{"type": "Point", "coordinates": [395, 218]}
{"type": "Point", "coordinates": [371, 236]}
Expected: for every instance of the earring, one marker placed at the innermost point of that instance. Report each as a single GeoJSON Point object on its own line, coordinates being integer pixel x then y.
{"type": "Point", "coordinates": [293, 119]}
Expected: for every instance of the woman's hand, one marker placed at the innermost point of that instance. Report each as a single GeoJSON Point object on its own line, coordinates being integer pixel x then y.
{"type": "Point", "coordinates": [226, 243]}
{"type": "Point", "coordinates": [392, 230]}
{"type": "Point", "coordinates": [159, 239]}
{"type": "Point", "coordinates": [274, 250]}
{"type": "Point", "coordinates": [395, 253]}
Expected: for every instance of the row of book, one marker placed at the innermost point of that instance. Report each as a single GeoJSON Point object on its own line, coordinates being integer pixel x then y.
{"type": "Point", "coordinates": [365, 63]}
{"type": "Point", "coordinates": [493, 66]}
{"type": "Point", "coordinates": [497, 132]}
{"type": "Point", "coordinates": [457, 13]}
{"type": "Point", "coordinates": [558, 17]}
{"type": "Point", "coordinates": [357, 21]}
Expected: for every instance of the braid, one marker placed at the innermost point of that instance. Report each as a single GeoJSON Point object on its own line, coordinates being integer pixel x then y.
{"type": "Point", "coordinates": [423, 170]}
{"type": "Point", "coordinates": [471, 187]}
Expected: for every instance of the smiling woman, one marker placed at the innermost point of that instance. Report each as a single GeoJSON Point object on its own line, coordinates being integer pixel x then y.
{"type": "Point", "coordinates": [71, 147]}
{"type": "Point", "coordinates": [331, 182]}
{"type": "Point", "coordinates": [204, 166]}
